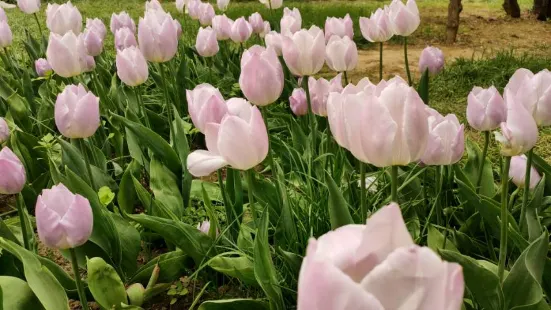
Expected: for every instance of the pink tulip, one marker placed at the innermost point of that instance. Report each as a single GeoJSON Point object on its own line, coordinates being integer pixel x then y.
{"type": "Point", "coordinates": [206, 13]}
{"type": "Point", "coordinates": [67, 54]}
{"type": "Point", "coordinates": [446, 142]}
{"type": "Point", "coordinates": [519, 133]}
{"type": "Point", "coordinates": [272, 4]}
{"type": "Point", "coordinates": [124, 38]}
{"type": "Point", "coordinates": [304, 51]}
{"type": "Point", "coordinates": [341, 54]}
{"type": "Point", "coordinates": [517, 172]}
{"type": "Point", "coordinates": [266, 28]}
{"type": "Point", "coordinates": [97, 25]}
{"type": "Point", "coordinates": [63, 220]}
{"type": "Point", "coordinates": [122, 20]}
{"type": "Point", "coordinates": [89, 64]}
{"type": "Point", "coordinates": [404, 18]}
{"type": "Point", "coordinates": [194, 9]}
{"type": "Point", "coordinates": [384, 84]}
{"type": "Point", "coordinates": [257, 23]}
{"type": "Point", "coordinates": [298, 102]}
{"type": "Point", "coordinates": [274, 40]}
{"type": "Point", "coordinates": [241, 30]}
{"type": "Point", "coordinates": [42, 67]}
{"type": "Point", "coordinates": [534, 92]}
{"type": "Point", "coordinates": [432, 59]}
{"type": "Point", "coordinates": [222, 4]}
{"type": "Point", "coordinates": [222, 25]}
{"type": "Point", "coordinates": [377, 27]}
{"type": "Point", "coordinates": [12, 173]}
{"type": "Point", "coordinates": [376, 266]}
{"type": "Point", "coordinates": [6, 36]}
{"type": "Point", "coordinates": [92, 42]}
{"type": "Point", "coordinates": [485, 109]}
{"type": "Point", "coordinates": [158, 36]}
{"type": "Point", "coordinates": [3, 16]}
{"type": "Point", "coordinates": [132, 66]}
{"type": "Point", "coordinates": [153, 5]}
{"type": "Point", "coordinates": [4, 130]}
{"type": "Point", "coordinates": [77, 112]}
{"type": "Point", "coordinates": [320, 90]}
{"type": "Point", "coordinates": [181, 4]}
{"type": "Point", "coordinates": [261, 78]}
{"type": "Point", "coordinates": [204, 227]}
{"type": "Point", "coordinates": [341, 27]}
{"type": "Point", "coordinates": [291, 21]}
{"type": "Point", "coordinates": [63, 18]}
{"type": "Point", "coordinates": [29, 6]}
{"type": "Point", "coordinates": [206, 43]}
{"type": "Point", "coordinates": [240, 140]}
{"type": "Point", "coordinates": [364, 85]}
{"type": "Point", "coordinates": [205, 105]}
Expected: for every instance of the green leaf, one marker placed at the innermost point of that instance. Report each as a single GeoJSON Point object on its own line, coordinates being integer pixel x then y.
{"type": "Point", "coordinates": [544, 167]}
{"type": "Point", "coordinates": [436, 240]}
{"type": "Point", "coordinates": [171, 264]}
{"type": "Point", "coordinates": [150, 204]}
{"type": "Point", "coordinates": [72, 158]}
{"type": "Point", "coordinates": [164, 185]}
{"type": "Point", "coordinates": [127, 196]}
{"type": "Point", "coordinates": [471, 170]}
{"type": "Point", "coordinates": [182, 146]}
{"type": "Point", "coordinates": [423, 88]}
{"type": "Point", "coordinates": [286, 224]}
{"type": "Point", "coordinates": [234, 304]}
{"type": "Point", "coordinates": [62, 277]}
{"type": "Point", "coordinates": [212, 189]}
{"type": "Point", "coordinates": [214, 225]}
{"type": "Point", "coordinates": [16, 294]}
{"type": "Point", "coordinates": [532, 221]}
{"type": "Point", "coordinates": [105, 284]}
{"type": "Point", "coordinates": [106, 196]}
{"type": "Point", "coordinates": [240, 267]}
{"type": "Point", "coordinates": [41, 281]}
{"type": "Point", "coordinates": [130, 243]}
{"type": "Point", "coordinates": [339, 215]}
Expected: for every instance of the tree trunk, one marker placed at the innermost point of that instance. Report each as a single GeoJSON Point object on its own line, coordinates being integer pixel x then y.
{"type": "Point", "coordinates": [454, 9]}
{"type": "Point", "coordinates": [512, 8]}
{"type": "Point", "coordinates": [538, 7]}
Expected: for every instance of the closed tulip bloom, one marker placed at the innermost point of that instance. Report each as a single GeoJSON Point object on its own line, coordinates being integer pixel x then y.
{"type": "Point", "coordinates": [206, 43]}
{"type": "Point", "coordinates": [266, 28]}
{"type": "Point", "coordinates": [63, 220]}
{"type": "Point", "coordinates": [341, 54]}
{"type": "Point", "coordinates": [29, 6]}
{"type": "Point", "coordinates": [519, 133]}
{"type": "Point", "coordinates": [432, 59]}
{"type": "Point", "coordinates": [272, 4]}
{"type": "Point", "coordinates": [98, 26]}
{"type": "Point", "coordinates": [77, 112]}
{"type": "Point", "coordinates": [222, 4]}
{"type": "Point", "coordinates": [205, 105]}
{"type": "Point", "coordinates": [291, 21]}
{"type": "Point", "coordinates": [3, 16]}
{"type": "Point", "coordinates": [4, 130]}
{"type": "Point", "coordinates": [206, 13]}
{"type": "Point", "coordinates": [63, 18]}
{"type": "Point", "coordinates": [486, 109]}
{"type": "Point", "coordinates": [93, 42]}
{"type": "Point", "coordinates": [364, 85]}
{"type": "Point", "coordinates": [42, 67]}
{"type": "Point", "coordinates": [377, 27]}
{"type": "Point", "coordinates": [404, 18]}
{"type": "Point", "coordinates": [341, 27]}
{"type": "Point", "coordinates": [446, 142]}
{"type": "Point", "coordinates": [534, 92]}
{"type": "Point", "coordinates": [122, 20]}
{"type": "Point", "coordinates": [298, 102]}
{"type": "Point", "coordinates": [89, 63]}
{"type": "Point", "coordinates": [517, 172]}
{"type": "Point", "coordinates": [241, 30]}
{"type": "Point", "coordinates": [222, 25]}
{"type": "Point", "coordinates": [257, 23]}
{"type": "Point", "coordinates": [153, 5]}
{"type": "Point", "coordinates": [12, 173]}
{"type": "Point", "coordinates": [304, 51]}
{"type": "Point", "coordinates": [261, 78]}
{"type": "Point", "coordinates": [320, 90]}
{"type": "Point", "coordinates": [132, 66]}
{"type": "Point", "coordinates": [181, 4]}
{"type": "Point", "coordinates": [158, 36]}
{"type": "Point", "coordinates": [67, 54]}
{"type": "Point", "coordinates": [124, 38]}
{"type": "Point", "coordinates": [240, 140]}
{"type": "Point", "coordinates": [376, 266]}
{"type": "Point", "coordinates": [274, 40]}
{"type": "Point", "coordinates": [6, 36]}
{"type": "Point", "coordinates": [194, 9]}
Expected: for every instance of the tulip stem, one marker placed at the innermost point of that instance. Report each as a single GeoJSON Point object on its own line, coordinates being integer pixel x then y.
{"type": "Point", "coordinates": [39, 26]}
{"type": "Point", "coordinates": [363, 209]}
{"type": "Point", "coordinates": [141, 105]}
{"type": "Point", "coordinates": [250, 187]}
{"type": "Point", "coordinates": [167, 100]}
{"type": "Point", "coordinates": [381, 61]}
{"type": "Point", "coordinates": [345, 78]}
{"type": "Point", "coordinates": [23, 220]}
{"type": "Point", "coordinates": [311, 116]}
{"type": "Point", "coordinates": [483, 160]}
{"type": "Point", "coordinates": [526, 193]}
{"type": "Point", "coordinates": [394, 183]}
{"type": "Point", "coordinates": [80, 288]}
{"type": "Point", "coordinates": [504, 217]}
{"type": "Point", "coordinates": [87, 163]}
{"type": "Point", "coordinates": [406, 60]}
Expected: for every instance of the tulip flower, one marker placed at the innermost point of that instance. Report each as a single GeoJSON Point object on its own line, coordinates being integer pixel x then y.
{"type": "Point", "coordinates": [181, 4]}
{"type": "Point", "coordinates": [206, 13]}
{"type": "Point", "coordinates": [63, 220]}
{"type": "Point", "coordinates": [486, 109]}
{"type": "Point", "coordinates": [274, 40]}
{"type": "Point", "coordinates": [222, 25]}
{"type": "Point", "coordinates": [63, 18]}
{"type": "Point", "coordinates": [4, 130]}
{"type": "Point", "coordinates": [122, 20]}
{"type": "Point", "coordinates": [291, 21]}
{"type": "Point", "coordinates": [517, 172]}
{"type": "Point", "coordinates": [93, 42]}
{"type": "Point", "coordinates": [241, 30]}
{"type": "Point", "coordinates": [158, 36]}
{"type": "Point", "coordinates": [432, 59]}
{"type": "Point", "coordinates": [376, 266]}
{"type": "Point", "coordinates": [206, 43]}
{"type": "Point", "coordinates": [153, 5]}
{"type": "Point", "coordinates": [364, 85]}
{"type": "Point", "coordinates": [341, 54]}
{"type": "Point", "coordinates": [534, 92]}
{"type": "Point", "coordinates": [520, 132]}
{"type": "Point", "coordinates": [298, 102]}
{"type": "Point", "coordinates": [3, 16]}
{"type": "Point", "coordinates": [377, 27]}
{"type": "Point", "coordinates": [6, 36]}
{"type": "Point", "coordinates": [261, 78]}
{"type": "Point", "coordinates": [204, 227]}
{"type": "Point", "coordinates": [124, 38]}
{"type": "Point", "coordinates": [131, 66]}
{"type": "Point", "coordinates": [77, 112]}
{"type": "Point", "coordinates": [12, 171]}
{"type": "Point", "coordinates": [194, 9]}
{"type": "Point", "coordinates": [257, 23]}
{"type": "Point", "coordinates": [446, 142]}
{"type": "Point", "coordinates": [266, 28]}
{"type": "Point", "coordinates": [304, 51]}
{"type": "Point", "coordinates": [341, 27]}
{"type": "Point", "coordinates": [272, 4]}
{"type": "Point", "coordinates": [29, 6]}
{"type": "Point", "coordinates": [404, 18]}
{"type": "Point", "coordinates": [42, 67]}
{"type": "Point", "coordinates": [205, 105]}
{"type": "Point", "coordinates": [222, 4]}
{"type": "Point", "coordinates": [320, 90]}
{"type": "Point", "coordinates": [67, 54]}
{"type": "Point", "coordinates": [98, 26]}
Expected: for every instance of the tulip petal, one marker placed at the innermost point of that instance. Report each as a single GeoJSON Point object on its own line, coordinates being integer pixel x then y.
{"type": "Point", "coordinates": [235, 143]}
{"type": "Point", "coordinates": [47, 224]}
{"type": "Point", "coordinates": [77, 222]}
{"type": "Point", "coordinates": [201, 163]}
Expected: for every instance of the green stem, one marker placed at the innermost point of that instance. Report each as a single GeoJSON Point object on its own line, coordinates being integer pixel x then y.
{"type": "Point", "coordinates": [363, 208]}
{"type": "Point", "coordinates": [167, 100]}
{"type": "Point", "coordinates": [87, 163]}
{"type": "Point", "coordinates": [23, 220]}
{"type": "Point", "coordinates": [250, 187]}
{"type": "Point", "coordinates": [483, 160]}
{"type": "Point", "coordinates": [380, 61]}
{"type": "Point", "coordinates": [39, 26]}
{"type": "Point", "coordinates": [438, 202]}
{"type": "Point", "coordinates": [141, 105]}
{"type": "Point", "coordinates": [394, 183]}
{"type": "Point", "coordinates": [80, 287]}
{"type": "Point", "coordinates": [526, 193]}
{"type": "Point", "coordinates": [311, 115]}
{"type": "Point", "coordinates": [406, 60]}
{"type": "Point", "coordinates": [504, 218]}
{"type": "Point", "coordinates": [345, 78]}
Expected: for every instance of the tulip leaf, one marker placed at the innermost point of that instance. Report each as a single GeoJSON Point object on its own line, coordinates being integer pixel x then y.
{"type": "Point", "coordinates": [164, 185]}
{"type": "Point", "coordinates": [150, 204]}
{"type": "Point", "coordinates": [105, 284]}
{"type": "Point", "coordinates": [234, 304]}
{"type": "Point", "coordinates": [286, 226]}
{"type": "Point", "coordinates": [182, 146]}
{"type": "Point", "coordinates": [471, 169]}
{"type": "Point", "coordinates": [42, 282]}
{"type": "Point", "coordinates": [15, 294]}
{"type": "Point", "coordinates": [240, 267]}
{"type": "Point", "coordinates": [436, 240]}
{"type": "Point", "coordinates": [423, 88]}
{"type": "Point", "coordinates": [127, 196]}
{"type": "Point", "coordinates": [171, 265]}
{"type": "Point", "coordinates": [130, 243]}
{"type": "Point", "coordinates": [339, 215]}
{"type": "Point", "coordinates": [543, 167]}
{"type": "Point", "coordinates": [532, 221]}
{"type": "Point", "coordinates": [214, 225]}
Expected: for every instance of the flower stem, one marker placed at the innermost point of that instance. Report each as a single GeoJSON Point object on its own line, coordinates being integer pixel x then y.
{"type": "Point", "coordinates": [526, 193]}
{"type": "Point", "coordinates": [141, 105]}
{"type": "Point", "coordinates": [311, 116]}
{"type": "Point", "coordinates": [80, 288]}
{"type": "Point", "coordinates": [87, 163]}
{"type": "Point", "coordinates": [504, 217]}
{"type": "Point", "coordinates": [394, 183]}
{"type": "Point", "coordinates": [483, 160]}
{"type": "Point", "coordinates": [167, 100]}
{"type": "Point", "coordinates": [39, 26]}
{"type": "Point", "coordinates": [345, 78]}
{"type": "Point", "coordinates": [250, 187]}
{"type": "Point", "coordinates": [406, 60]}
{"type": "Point", "coordinates": [363, 209]}
{"type": "Point", "coordinates": [23, 220]}
{"type": "Point", "coordinates": [381, 61]}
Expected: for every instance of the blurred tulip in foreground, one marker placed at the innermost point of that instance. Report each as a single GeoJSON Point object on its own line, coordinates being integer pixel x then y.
{"type": "Point", "coordinates": [517, 172]}
{"type": "Point", "coordinates": [67, 54]}
{"type": "Point", "coordinates": [12, 173]}
{"type": "Point", "coordinates": [432, 59]}
{"type": "Point", "coordinates": [193, 9]}
{"type": "Point", "coordinates": [291, 21]}
{"type": "Point", "coordinates": [3, 16]}
{"type": "Point", "coordinates": [63, 18]}
{"type": "Point", "coordinates": [266, 28]}
{"type": "Point", "coordinates": [77, 112]}
{"type": "Point", "coordinates": [131, 66]}
{"type": "Point", "coordinates": [298, 102]}
{"type": "Point", "coordinates": [261, 78]}
{"type": "Point", "coordinates": [153, 5]}
{"type": "Point", "coordinates": [446, 142]}
{"type": "Point", "coordinates": [124, 38]}
{"type": "Point", "coordinates": [486, 109]}
{"type": "Point", "coordinates": [42, 67]}
{"type": "Point", "coordinates": [205, 105]}
{"type": "Point", "coordinates": [4, 130]}
{"type": "Point", "coordinates": [341, 54]}
{"type": "Point", "coordinates": [304, 51]}
{"type": "Point", "coordinates": [257, 23]}
{"type": "Point", "coordinates": [158, 36]}
{"type": "Point", "coordinates": [6, 36]}
{"type": "Point", "coordinates": [377, 27]}
{"type": "Point", "coordinates": [206, 43]}
{"type": "Point", "coordinates": [241, 30]}
{"type": "Point", "coordinates": [274, 40]}
{"type": "Point", "coordinates": [320, 90]}
{"type": "Point", "coordinates": [341, 27]}
{"type": "Point", "coordinates": [222, 4]}
{"type": "Point", "coordinates": [29, 6]}
{"type": "Point", "coordinates": [534, 92]}
{"type": "Point", "coordinates": [222, 25]}
{"type": "Point", "coordinates": [122, 20]}
{"type": "Point", "coordinates": [404, 18]}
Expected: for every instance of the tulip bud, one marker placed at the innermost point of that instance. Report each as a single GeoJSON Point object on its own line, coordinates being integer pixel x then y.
{"type": "Point", "coordinates": [12, 171]}
{"type": "Point", "coordinates": [97, 25]}
{"type": "Point", "coordinates": [77, 112]}
{"type": "Point", "coordinates": [446, 142]}
{"type": "Point", "coordinates": [63, 18]}
{"type": "Point", "coordinates": [298, 102]}
{"type": "Point", "coordinates": [240, 140]}
{"type": "Point", "coordinates": [204, 227]}
{"type": "Point", "coordinates": [63, 220]}
{"type": "Point", "coordinates": [67, 54]}
{"type": "Point", "coordinates": [291, 21]}
{"type": "Point", "coordinates": [205, 105]}
{"type": "Point", "coordinates": [206, 43]}
{"type": "Point", "coordinates": [304, 51]}
{"type": "Point", "coordinates": [257, 23]}
{"type": "Point", "coordinates": [404, 18]}
{"type": "Point", "coordinates": [222, 4]}
{"type": "Point", "coordinates": [320, 90]}
{"type": "Point", "coordinates": [181, 4]}
{"type": "Point", "coordinates": [272, 4]}
{"type": "Point", "coordinates": [92, 42]}
{"type": "Point", "coordinates": [89, 64]}
{"type": "Point", "coordinates": [432, 59]}
{"type": "Point", "coordinates": [105, 284]}
{"type": "Point", "coordinates": [485, 109]}
{"type": "Point", "coordinates": [517, 172]}
{"type": "Point", "coordinates": [131, 66]}
{"type": "Point", "coordinates": [241, 30]}
{"type": "Point", "coordinates": [153, 5]}
{"type": "Point", "coordinates": [4, 130]}
{"type": "Point", "coordinates": [124, 38]}
{"type": "Point", "coordinates": [136, 294]}
{"type": "Point", "coordinates": [29, 6]}
{"type": "Point", "coordinates": [533, 91]}
{"type": "Point", "coordinates": [122, 20]}
{"type": "Point", "coordinates": [222, 26]}
{"type": "Point", "coordinates": [266, 28]}
{"type": "Point", "coordinates": [206, 13]}
{"type": "Point", "coordinates": [158, 36]}
{"type": "Point", "coordinates": [261, 78]}
{"type": "Point", "coordinates": [194, 9]}
{"type": "Point", "coordinates": [341, 27]}
{"type": "Point", "coordinates": [341, 54]}
{"type": "Point", "coordinates": [274, 40]}
{"type": "Point", "coordinates": [42, 67]}
{"type": "Point", "coordinates": [377, 27]}
{"type": "Point", "coordinates": [6, 36]}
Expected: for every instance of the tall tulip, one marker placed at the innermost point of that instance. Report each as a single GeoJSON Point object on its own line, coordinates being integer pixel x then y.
{"type": "Point", "coordinates": [266, 28]}
{"type": "Point", "coordinates": [222, 4]}
{"type": "Point", "coordinates": [194, 9]}
{"type": "Point", "coordinates": [241, 30]}
{"type": "Point", "coordinates": [376, 266]}
{"type": "Point", "coordinates": [486, 109]}
{"type": "Point", "coordinates": [304, 51]}
{"type": "Point", "coordinates": [240, 140]}
{"type": "Point", "coordinates": [181, 5]}
{"type": "Point", "coordinates": [222, 25]}
{"type": "Point", "coordinates": [432, 59]}
{"type": "Point", "coordinates": [291, 21]}
{"type": "Point", "coordinates": [93, 42]}
{"type": "Point", "coordinates": [158, 36]}
{"type": "Point", "coordinates": [206, 13]}
{"type": "Point", "coordinates": [320, 90]}
{"type": "Point", "coordinates": [153, 5]}
{"type": "Point", "coordinates": [517, 173]}
{"type": "Point", "coordinates": [77, 112]}
{"type": "Point", "coordinates": [12, 173]}
{"type": "Point", "coordinates": [377, 27]}
{"type": "Point", "coordinates": [272, 4]}
{"type": "Point", "coordinates": [274, 40]}
{"type": "Point", "coordinates": [257, 23]}
{"type": "Point", "coordinates": [63, 18]}
{"type": "Point", "coordinates": [3, 16]}
{"type": "Point", "coordinates": [341, 27]}
{"type": "Point", "coordinates": [67, 54]}
{"type": "Point", "coordinates": [131, 66]}
{"type": "Point", "coordinates": [205, 105]}
{"type": "Point", "coordinates": [446, 142]}
{"type": "Point", "coordinates": [124, 38]}
{"type": "Point", "coordinates": [534, 92]}
{"type": "Point", "coordinates": [122, 20]}
{"type": "Point", "coordinates": [29, 6]}
{"type": "Point", "coordinates": [261, 78]}
{"type": "Point", "coordinates": [404, 18]}
{"type": "Point", "coordinates": [298, 103]}
{"type": "Point", "coordinates": [4, 130]}
{"type": "Point", "coordinates": [6, 36]}
{"type": "Point", "coordinates": [341, 54]}
{"type": "Point", "coordinates": [206, 43]}
{"type": "Point", "coordinates": [98, 26]}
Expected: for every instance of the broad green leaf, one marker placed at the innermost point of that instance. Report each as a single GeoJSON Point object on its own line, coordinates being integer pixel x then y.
{"type": "Point", "coordinates": [72, 158]}
{"type": "Point", "coordinates": [240, 267]}
{"type": "Point", "coordinates": [150, 204]}
{"type": "Point", "coordinates": [17, 295]}
{"type": "Point", "coordinates": [471, 170]}
{"type": "Point", "coordinates": [543, 167]}
{"type": "Point", "coordinates": [5, 232]}
{"type": "Point", "coordinates": [171, 264]}
{"type": "Point", "coordinates": [127, 196]}
{"type": "Point", "coordinates": [105, 284]}
{"type": "Point", "coordinates": [286, 221]}
{"type": "Point", "coordinates": [62, 277]}
{"type": "Point", "coordinates": [532, 209]}
{"type": "Point", "coordinates": [182, 146]}
{"type": "Point", "coordinates": [164, 185]}
{"type": "Point", "coordinates": [339, 215]}
{"type": "Point", "coordinates": [423, 88]}
{"type": "Point", "coordinates": [245, 240]}
{"type": "Point", "coordinates": [212, 189]}
{"type": "Point", "coordinates": [130, 244]}
{"type": "Point", "coordinates": [214, 225]}
{"type": "Point", "coordinates": [292, 260]}
{"type": "Point", "coordinates": [436, 240]}
{"type": "Point", "coordinates": [234, 304]}
{"type": "Point", "coordinates": [106, 196]}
